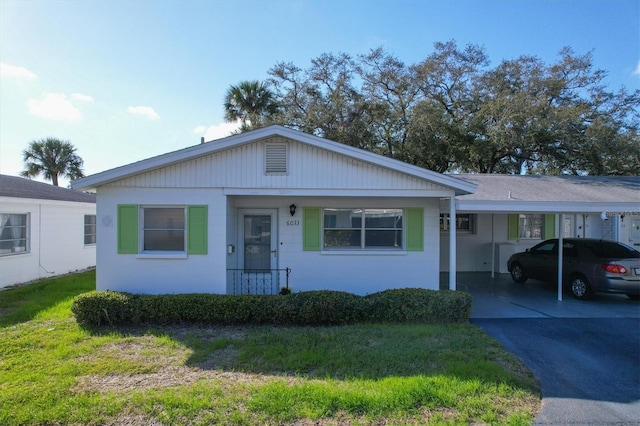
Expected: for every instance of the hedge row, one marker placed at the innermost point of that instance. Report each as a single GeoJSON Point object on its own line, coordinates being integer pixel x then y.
{"type": "Point", "coordinates": [305, 308]}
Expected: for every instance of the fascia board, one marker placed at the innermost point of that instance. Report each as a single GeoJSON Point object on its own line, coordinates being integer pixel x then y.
{"type": "Point", "coordinates": [379, 193]}
{"type": "Point", "coordinates": [489, 206]}
{"type": "Point", "coordinates": [91, 182]}
{"type": "Point", "coordinates": [168, 159]}
{"type": "Point", "coordinates": [460, 186]}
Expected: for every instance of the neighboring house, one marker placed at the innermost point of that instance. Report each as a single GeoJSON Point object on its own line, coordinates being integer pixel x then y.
{"type": "Point", "coordinates": [241, 214]}
{"type": "Point", "coordinates": [510, 213]}
{"type": "Point", "coordinates": [44, 230]}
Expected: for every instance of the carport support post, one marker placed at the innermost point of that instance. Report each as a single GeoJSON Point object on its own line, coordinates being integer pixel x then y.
{"type": "Point", "coordinates": [560, 252]}
{"type": "Point", "coordinates": [452, 242]}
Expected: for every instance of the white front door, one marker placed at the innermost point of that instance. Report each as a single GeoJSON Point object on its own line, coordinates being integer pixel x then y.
{"type": "Point", "coordinates": [258, 252]}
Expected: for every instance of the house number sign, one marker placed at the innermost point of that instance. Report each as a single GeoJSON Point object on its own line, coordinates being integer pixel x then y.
{"type": "Point", "coordinates": [293, 222]}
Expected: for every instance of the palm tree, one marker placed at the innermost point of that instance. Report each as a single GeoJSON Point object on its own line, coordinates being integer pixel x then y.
{"type": "Point", "coordinates": [52, 157]}
{"type": "Point", "coordinates": [251, 102]}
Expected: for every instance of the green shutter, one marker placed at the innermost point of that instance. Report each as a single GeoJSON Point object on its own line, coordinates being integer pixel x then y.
{"type": "Point", "coordinates": [514, 226]}
{"type": "Point", "coordinates": [127, 229]}
{"type": "Point", "coordinates": [549, 226]}
{"type": "Point", "coordinates": [197, 229]}
{"type": "Point", "coordinates": [311, 228]}
{"type": "Point", "coordinates": [415, 229]}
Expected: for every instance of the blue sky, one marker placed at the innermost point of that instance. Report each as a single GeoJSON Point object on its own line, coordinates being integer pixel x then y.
{"type": "Point", "coordinates": [125, 80]}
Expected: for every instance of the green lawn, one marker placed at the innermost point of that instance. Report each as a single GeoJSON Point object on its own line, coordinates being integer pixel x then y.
{"type": "Point", "coordinates": [54, 372]}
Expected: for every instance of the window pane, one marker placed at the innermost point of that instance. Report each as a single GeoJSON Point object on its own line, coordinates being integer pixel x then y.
{"type": "Point", "coordinates": [348, 238]}
{"type": "Point", "coordinates": [342, 218]}
{"type": "Point", "coordinates": [387, 218]}
{"type": "Point", "coordinates": [89, 229]}
{"type": "Point", "coordinates": [13, 234]}
{"type": "Point", "coordinates": [164, 228]}
{"type": "Point", "coordinates": [383, 238]}
{"type": "Point", "coordinates": [164, 240]}
{"type": "Point", "coordinates": [164, 218]}
{"type": "Point", "coordinates": [531, 225]}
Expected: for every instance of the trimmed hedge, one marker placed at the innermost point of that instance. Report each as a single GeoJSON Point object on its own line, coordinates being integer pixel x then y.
{"type": "Point", "coordinates": [311, 308]}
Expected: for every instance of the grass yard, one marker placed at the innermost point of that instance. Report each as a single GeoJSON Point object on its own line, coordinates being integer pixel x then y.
{"type": "Point", "coordinates": [54, 372]}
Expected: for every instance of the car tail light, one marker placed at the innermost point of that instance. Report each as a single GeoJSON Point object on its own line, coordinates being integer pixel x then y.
{"type": "Point", "coordinates": [613, 268]}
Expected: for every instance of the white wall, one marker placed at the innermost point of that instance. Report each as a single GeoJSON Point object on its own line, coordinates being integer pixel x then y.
{"type": "Point", "coordinates": [359, 273]}
{"type": "Point", "coordinates": [137, 274]}
{"type": "Point", "coordinates": [56, 240]}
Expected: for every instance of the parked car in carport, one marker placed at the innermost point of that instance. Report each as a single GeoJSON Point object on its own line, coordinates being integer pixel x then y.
{"type": "Point", "coordinates": [589, 266]}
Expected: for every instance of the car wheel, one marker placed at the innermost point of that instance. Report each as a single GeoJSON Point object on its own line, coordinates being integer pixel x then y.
{"type": "Point", "coordinates": [517, 273]}
{"type": "Point", "coordinates": [580, 287]}
{"type": "Point", "coordinates": [633, 296]}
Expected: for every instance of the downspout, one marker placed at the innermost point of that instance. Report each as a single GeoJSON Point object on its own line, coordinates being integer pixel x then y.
{"type": "Point", "coordinates": [452, 242]}
{"type": "Point", "coordinates": [40, 241]}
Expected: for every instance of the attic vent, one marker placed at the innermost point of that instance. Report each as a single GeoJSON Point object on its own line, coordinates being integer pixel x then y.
{"type": "Point", "coordinates": [275, 158]}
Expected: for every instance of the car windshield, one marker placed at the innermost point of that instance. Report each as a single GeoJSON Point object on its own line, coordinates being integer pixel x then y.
{"type": "Point", "coordinates": [612, 250]}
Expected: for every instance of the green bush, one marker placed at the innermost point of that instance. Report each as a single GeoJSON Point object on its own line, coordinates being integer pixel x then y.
{"type": "Point", "coordinates": [420, 305]}
{"type": "Point", "coordinates": [326, 307]}
{"type": "Point", "coordinates": [105, 308]}
{"type": "Point", "coordinates": [314, 308]}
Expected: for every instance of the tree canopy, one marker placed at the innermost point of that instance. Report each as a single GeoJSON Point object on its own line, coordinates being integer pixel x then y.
{"type": "Point", "coordinates": [52, 158]}
{"type": "Point", "coordinates": [453, 112]}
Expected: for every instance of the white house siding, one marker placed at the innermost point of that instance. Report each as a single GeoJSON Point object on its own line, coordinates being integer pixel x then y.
{"type": "Point", "coordinates": [360, 272]}
{"type": "Point", "coordinates": [309, 167]}
{"type": "Point", "coordinates": [56, 240]}
{"type": "Point", "coordinates": [136, 274]}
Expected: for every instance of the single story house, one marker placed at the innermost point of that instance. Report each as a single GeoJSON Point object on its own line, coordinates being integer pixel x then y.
{"type": "Point", "coordinates": [252, 212]}
{"type": "Point", "coordinates": [44, 230]}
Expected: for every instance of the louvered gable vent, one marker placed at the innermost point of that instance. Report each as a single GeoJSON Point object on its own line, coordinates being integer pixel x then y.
{"type": "Point", "coordinates": [275, 158]}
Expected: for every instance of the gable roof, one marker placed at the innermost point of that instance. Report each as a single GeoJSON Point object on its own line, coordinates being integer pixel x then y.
{"type": "Point", "coordinates": [562, 193]}
{"type": "Point", "coordinates": [17, 187]}
{"type": "Point", "coordinates": [171, 158]}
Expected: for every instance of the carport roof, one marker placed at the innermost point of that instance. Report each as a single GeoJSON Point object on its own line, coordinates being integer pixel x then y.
{"type": "Point", "coordinates": [560, 194]}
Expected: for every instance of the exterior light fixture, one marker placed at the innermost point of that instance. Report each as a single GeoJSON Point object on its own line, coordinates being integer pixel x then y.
{"type": "Point", "coordinates": [292, 209]}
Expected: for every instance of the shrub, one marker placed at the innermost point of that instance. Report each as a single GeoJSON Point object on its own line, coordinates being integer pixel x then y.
{"type": "Point", "coordinates": [326, 308]}
{"type": "Point", "coordinates": [306, 308]}
{"type": "Point", "coordinates": [420, 305]}
{"type": "Point", "coordinates": [106, 307]}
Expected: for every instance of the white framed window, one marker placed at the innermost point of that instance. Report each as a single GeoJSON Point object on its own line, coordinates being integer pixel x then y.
{"type": "Point", "coordinates": [531, 226]}
{"type": "Point", "coordinates": [89, 229]}
{"type": "Point", "coordinates": [14, 234]}
{"type": "Point", "coordinates": [163, 229]}
{"type": "Point", "coordinates": [362, 229]}
{"type": "Point", "coordinates": [465, 223]}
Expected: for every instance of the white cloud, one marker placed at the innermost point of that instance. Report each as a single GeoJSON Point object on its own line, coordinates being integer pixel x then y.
{"type": "Point", "coordinates": [54, 106]}
{"type": "Point", "coordinates": [13, 71]}
{"type": "Point", "coordinates": [81, 97]}
{"type": "Point", "coordinates": [217, 131]}
{"type": "Point", "coordinates": [637, 70]}
{"type": "Point", "coordinates": [146, 111]}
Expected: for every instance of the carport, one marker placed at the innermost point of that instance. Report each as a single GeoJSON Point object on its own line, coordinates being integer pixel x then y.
{"type": "Point", "coordinates": [500, 297]}
{"type": "Point", "coordinates": [599, 207]}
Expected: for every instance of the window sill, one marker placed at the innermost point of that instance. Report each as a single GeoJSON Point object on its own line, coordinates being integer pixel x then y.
{"type": "Point", "coordinates": [162, 255]}
{"type": "Point", "coordinates": [390, 252]}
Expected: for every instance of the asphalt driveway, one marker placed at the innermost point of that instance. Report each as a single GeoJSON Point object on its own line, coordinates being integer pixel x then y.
{"type": "Point", "coordinates": [585, 354]}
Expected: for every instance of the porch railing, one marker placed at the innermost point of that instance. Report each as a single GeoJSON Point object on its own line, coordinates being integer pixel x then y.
{"type": "Point", "coordinates": [259, 281]}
